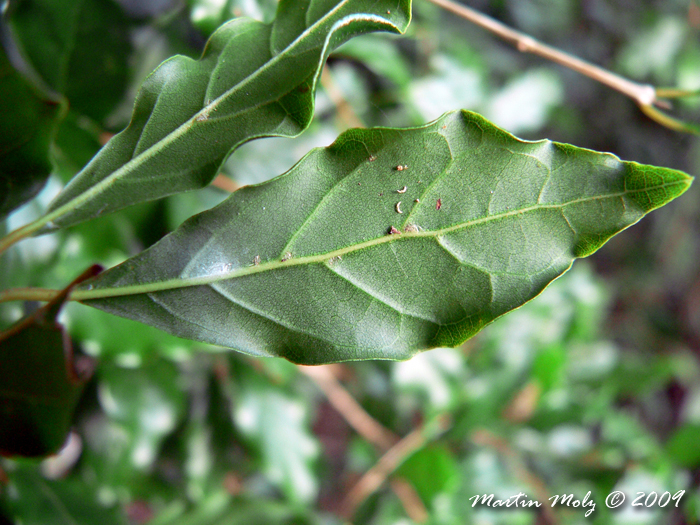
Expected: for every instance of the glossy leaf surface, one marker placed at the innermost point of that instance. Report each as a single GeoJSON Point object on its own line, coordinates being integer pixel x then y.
{"type": "Point", "coordinates": [253, 80]}
{"type": "Point", "coordinates": [305, 266]}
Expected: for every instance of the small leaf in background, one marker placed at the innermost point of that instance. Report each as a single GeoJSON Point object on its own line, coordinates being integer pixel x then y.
{"type": "Point", "coordinates": [147, 403]}
{"type": "Point", "coordinates": [322, 264]}
{"type": "Point", "coordinates": [452, 85]}
{"type": "Point", "coordinates": [221, 509]}
{"type": "Point", "coordinates": [432, 471]}
{"type": "Point", "coordinates": [381, 55]}
{"type": "Point", "coordinates": [653, 51]}
{"type": "Point", "coordinates": [28, 120]}
{"type": "Point", "coordinates": [278, 426]}
{"type": "Point", "coordinates": [34, 500]}
{"type": "Point", "coordinates": [436, 375]}
{"type": "Point", "coordinates": [40, 382]}
{"type": "Point", "coordinates": [523, 105]}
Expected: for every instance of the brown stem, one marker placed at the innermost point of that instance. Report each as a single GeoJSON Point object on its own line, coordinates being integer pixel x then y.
{"type": "Point", "coordinates": [375, 477]}
{"type": "Point", "coordinates": [643, 94]}
{"type": "Point", "coordinates": [346, 405]}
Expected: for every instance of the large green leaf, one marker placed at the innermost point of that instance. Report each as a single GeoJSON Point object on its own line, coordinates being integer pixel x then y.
{"type": "Point", "coordinates": [28, 117]}
{"type": "Point", "coordinates": [253, 80]}
{"type": "Point", "coordinates": [80, 49]}
{"type": "Point", "coordinates": [305, 266]}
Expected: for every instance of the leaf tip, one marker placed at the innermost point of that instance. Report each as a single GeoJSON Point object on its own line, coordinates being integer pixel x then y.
{"type": "Point", "coordinates": [651, 187]}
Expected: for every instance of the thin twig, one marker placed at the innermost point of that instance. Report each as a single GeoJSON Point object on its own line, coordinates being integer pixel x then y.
{"type": "Point", "coordinates": [375, 477]}
{"type": "Point", "coordinates": [643, 94]}
{"type": "Point", "coordinates": [346, 405]}
{"type": "Point", "coordinates": [409, 499]}
{"type": "Point", "coordinates": [28, 294]}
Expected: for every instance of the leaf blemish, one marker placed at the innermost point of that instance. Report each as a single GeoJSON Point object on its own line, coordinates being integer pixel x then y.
{"type": "Point", "coordinates": [393, 231]}
{"type": "Point", "coordinates": [202, 117]}
{"type": "Point", "coordinates": [402, 190]}
{"type": "Point", "coordinates": [438, 205]}
{"type": "Point", "coordinates": [286, 257]}
{"type": "Point", "coordinates": [334, 260]}
{"type": "Point", "coordinates": [372, 158]}
{"type": "Point", "coordinates": [401, 167]}
{"type": "Point", "coordinates": [410, 228]}
{"type": "Point", "coordinates": [417, 200]}
{"type": "Point", "coordinates": [256, 260]}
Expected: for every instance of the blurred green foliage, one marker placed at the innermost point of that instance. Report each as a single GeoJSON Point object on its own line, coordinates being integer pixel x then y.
{"type": "Point", "coordinates": [594, 386]}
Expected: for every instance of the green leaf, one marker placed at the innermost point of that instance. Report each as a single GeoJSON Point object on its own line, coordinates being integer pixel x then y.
{"type": "Point", "coordinates": [683, 446]}
{"type": "Point", "coordinates": [305, 266]}
{"type": "Point", "coordinates": [80, 49]}
{"type": "Point", "coordinates": [253, 80]}
{"type": "Point", "coordinates": [432, 471]}
{"type": "Point", "coordinates": [28, 118]}
{"type": "Point", "coordinates": [221, 509]}
{"type": "Point", "coordinates": [40, 383]}
{"type": "Point", "coordinates": [148, 404]}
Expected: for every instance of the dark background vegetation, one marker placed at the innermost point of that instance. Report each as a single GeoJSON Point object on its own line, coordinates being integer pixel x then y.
{"type": "Point", "coordinates": [594, 386]}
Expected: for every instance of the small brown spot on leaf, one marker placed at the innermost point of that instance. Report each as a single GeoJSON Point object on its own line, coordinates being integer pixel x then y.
{"type": "Point", "coordinates": [393, 231]}
{"type": "Point", "coordinates": [372, 158]}
{"type": "Point", "coordinates": [438, 205]}
{"type": "Point", "coordinates": [401, 167]}
{"type": "Point", "coordinates": [410, 228]}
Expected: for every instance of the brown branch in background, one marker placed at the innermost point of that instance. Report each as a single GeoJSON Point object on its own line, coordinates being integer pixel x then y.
{"type": "Point", "coordinates": [641, 93]}
{"type": "Point", "coordinates": [409, 499]}
{"type": "Point", "coordinates": [356, 416]}
{"type": "Point", "coordinates": [645, 95]}
{"type": "Point", "coordinates": [225, 183]}
{"type": "Point", "coordinates": [377, 475]}
{"type": "Point", "coordinates": [345, 112]}
{"type": "Point", "coordinates": [373, 431]}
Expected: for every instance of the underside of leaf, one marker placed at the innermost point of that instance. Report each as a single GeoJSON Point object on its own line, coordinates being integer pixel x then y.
{"type": "Point", "coordinates": [253, 80]}
{"type": "Point", "coordinates": [386, 243]}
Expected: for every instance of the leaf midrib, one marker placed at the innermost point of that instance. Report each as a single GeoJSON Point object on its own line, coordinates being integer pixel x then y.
{"type": "Point", "coordinates": [170, 284]}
